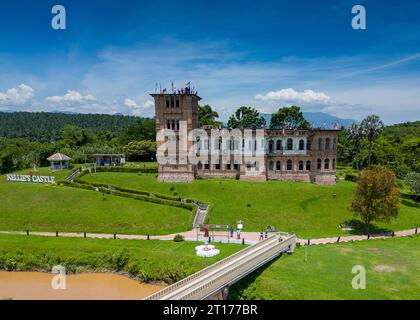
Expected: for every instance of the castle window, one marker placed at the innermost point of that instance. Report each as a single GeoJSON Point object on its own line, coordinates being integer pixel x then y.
{"type": "Point", "coordinates": [327, 143]}
{"type": "Point", "coordinates": [236, 166]}
{"type": "Point", "coordinates": [289, 165]}
{"type": "Point", "coordinates": [333, 164]}
{"type": "Point", "coordinates": [334, 146]}
{"type": "Point", "coordinates": [167, 103]}
{"type": "Point", "coordinates": [271, 165]}
{"type": "Point", "coordinates": [270, 146]}
{"type": "Point", "coordinates": [308, 165]}
{"type": "Point", "coordinates": [177, 124]}
{"type": "Point", "coordinates": [172, 102]}
{"type": "Point", "coordinates": [177, 102]}
{"type": "Point", "coordinates": [206, 166]}
{"type": "Point", "coordinates": [318, 164]}
{"type": "Point", "coordinates": [217, 166]}
{"type": "Point", "coordinates": [326, 164]}
{"type": "Point", "coordinates": [228, 166]}
{"type": "Point", "coordinates": [320, 144]}
{"type": "Point", "coordinates": [300, 165]}
{"type": "Point", "coordinates": [278, 145]}
{"type": "Point", "coordinates": [289, 144]}
{"type": "Point", "coordinates": [199, 165]}
{"type": "Point", "coordinates": [168, 124]}
{"type": "Point", "coordinates": [173, 124]}
{"type": "Point", "coordinates": [308, 144]}
{"type": "Point", "coordinates": [278, 166]}
{"type": "Point", "coordinates": [301, 144]}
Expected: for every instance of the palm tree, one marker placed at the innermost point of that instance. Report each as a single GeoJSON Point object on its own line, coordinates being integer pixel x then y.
{"type": "Point", "coordinates": [371, 127]}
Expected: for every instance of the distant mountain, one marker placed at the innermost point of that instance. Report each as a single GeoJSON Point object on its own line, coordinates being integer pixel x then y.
{"type": "Point", "coordinates": [317, 119]}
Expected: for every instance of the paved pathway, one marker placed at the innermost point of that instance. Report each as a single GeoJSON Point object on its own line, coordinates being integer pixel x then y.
{"type": "Point", "coordinates": [193, 235]}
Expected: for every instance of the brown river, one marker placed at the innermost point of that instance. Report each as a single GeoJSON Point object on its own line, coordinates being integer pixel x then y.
{"type": "Point", "coordinates": [87, 286]}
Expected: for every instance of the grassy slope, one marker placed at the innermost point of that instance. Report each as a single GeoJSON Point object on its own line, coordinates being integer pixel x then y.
{"type": "Point", "coordinates": [327, 273]}
{"type": "Point", "coordinates": [149, 261]}
{"type": "Point", "coordinates": [47, 208]}
{"type": "Point", "coordinates": [305, 209]}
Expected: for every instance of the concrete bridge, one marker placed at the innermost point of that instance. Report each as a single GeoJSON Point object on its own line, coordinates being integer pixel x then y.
{"type": "Point", "coordinates": [217, 278]}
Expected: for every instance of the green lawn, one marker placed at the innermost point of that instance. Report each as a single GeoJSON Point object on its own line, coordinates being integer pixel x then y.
{"type": "Point", "coordinates": [392, 272]}
{"type": "Point", "coordinates": [308, 210]}
{"type": "Point", "coordinates": [44, 207]}
{"type": "Point", "coordinates": [148, 261]}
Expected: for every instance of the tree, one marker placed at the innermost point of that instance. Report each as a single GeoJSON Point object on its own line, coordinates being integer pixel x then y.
{"type": "Point", "coordinates": [207, 116]}
{"type": "Point", "coordinates": [377, 196]}
{"type": "Point", "coordinates": [371, 127]}
{"type": "Point", "coordinates": [413, 181]}
{"type": "Point", "coordinates": [144, 129]}
{"type": "Point", "coordinates": [246, 118]}
{"type": "Point", "coordinates": [140, 150]}
{"type": "Point", "coordinates": [77, 136]}
{"type": "Point", "coordinates": [355, 136]}
{"type": "Point", "coordinates": [290, 116]}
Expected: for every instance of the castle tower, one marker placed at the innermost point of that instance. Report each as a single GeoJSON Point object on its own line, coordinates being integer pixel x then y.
{"type": "Point", "coordinates": [170, 110]}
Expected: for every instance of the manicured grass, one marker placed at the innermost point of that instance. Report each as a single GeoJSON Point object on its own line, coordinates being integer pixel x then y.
{"type": "Point", "coordinates": [392, 272]}
{"type": "Point", "coordinates": [308, 210]}
{"type": "Point", "coordinates": [148, 261]}
{"type": "Point", "coordinates": [45, 171]}
{"type": "Point", "coordinates": [44, 207]}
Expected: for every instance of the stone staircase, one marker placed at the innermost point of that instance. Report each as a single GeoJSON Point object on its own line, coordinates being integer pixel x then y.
{"type": "Point", "coordinates": [200, 215]}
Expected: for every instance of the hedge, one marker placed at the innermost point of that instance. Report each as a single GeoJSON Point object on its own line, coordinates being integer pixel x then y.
{"type": "Point", "coordinates": [351, 177]}
{"type": "Point", "coordinates": [105, 189]}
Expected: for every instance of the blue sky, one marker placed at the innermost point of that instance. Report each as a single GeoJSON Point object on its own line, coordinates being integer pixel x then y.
{"type": "Point", "coordinates": [265, 54]}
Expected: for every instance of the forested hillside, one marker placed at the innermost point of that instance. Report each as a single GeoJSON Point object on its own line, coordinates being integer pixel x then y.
{"type": "Point", "coordinates": [48, 127]}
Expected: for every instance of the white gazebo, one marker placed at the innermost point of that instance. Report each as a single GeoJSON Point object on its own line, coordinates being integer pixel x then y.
{"type": "Point", "coordinates": [59, 161]}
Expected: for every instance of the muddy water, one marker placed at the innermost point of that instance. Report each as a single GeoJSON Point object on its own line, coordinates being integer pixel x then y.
{"type": "Point", "coordinates": [37, 285]}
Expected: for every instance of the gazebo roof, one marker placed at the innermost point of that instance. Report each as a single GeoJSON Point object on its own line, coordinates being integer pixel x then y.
{"type": "Point", "coordinates": [58, 157]}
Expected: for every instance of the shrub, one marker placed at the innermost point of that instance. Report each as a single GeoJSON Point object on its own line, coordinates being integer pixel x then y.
{"type": "Point", "coordinates": [351, 177]}
{"type": "Point", "coordinates": [178, 238]}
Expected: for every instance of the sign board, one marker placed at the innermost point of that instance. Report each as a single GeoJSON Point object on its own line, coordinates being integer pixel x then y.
{"type": "Point", "coordinates": [29, 178]}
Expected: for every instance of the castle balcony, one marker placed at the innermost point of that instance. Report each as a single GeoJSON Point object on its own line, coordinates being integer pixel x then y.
{"type": "Point", "coordinates": [287, 153]}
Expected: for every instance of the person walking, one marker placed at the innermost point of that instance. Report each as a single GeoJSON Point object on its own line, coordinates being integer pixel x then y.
{"type": "Point", "coordinates": [231, 232]}
{"type": "Point", "coordinates": [261, 236]}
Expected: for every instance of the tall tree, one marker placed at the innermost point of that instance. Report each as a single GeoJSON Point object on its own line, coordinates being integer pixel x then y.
{"type": "Point", "coordinates": [291, 117]}
{"type": "Point", "coordinates": [413, 181]}
{"type": "Point", "coordinates": [246, 118]}
{"type": "Point", "coordinates": [207, 116]}
{"type": "Point", "coordinates": [377, 196]}
{"type": "Point", "coordinates": [355, 136]}
{"type": "Point", "coordinates": [140, 150]}
{"type": "Point", "coordinates": [371, 127]}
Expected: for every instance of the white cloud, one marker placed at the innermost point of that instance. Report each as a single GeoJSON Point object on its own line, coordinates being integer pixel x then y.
{"type": "Point", "coordinates": [291, 95]}
{"type": "Point", "coordinates": [71, 97]}
{"type": "Point", "coordinates": [139, 110]}
{"type": "Point", "coordinates": [17, 96]}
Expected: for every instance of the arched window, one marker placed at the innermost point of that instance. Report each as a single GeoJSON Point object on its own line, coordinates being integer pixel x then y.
{"type": "Point", "coordinates": [300, 165]}
{"type": "Point", "coordinates": [301, 144]}
{"type": "Point", "coordinates": [334, 146]}
{"type": "Point", "coordinates": [278, 166]}
{"type": "Point", "coordinates": [271, 165]}
{"type": "Point", "coordinates": [326, 164]}
{"type": "Point", "coordinates": [320, 144]}
{"type": "Point", "coordinates": [308, 144]}
{"type": "Point", "coordinates": [308, 165]}
{"type": "Point", "coordinates": [333, 164]}
{"type": "Point", "coordinates": [271, 146]}
{"type": "Point", "coordinates": [318, 164]}
{"type": "Point", "coordinates": [289, 144]}
{"type": "Point", "coordinates": [327, 143]}
{"type": "Point", "coordinates": [289, 165]}
{"type": "Point", "coordinates": [278, 145]}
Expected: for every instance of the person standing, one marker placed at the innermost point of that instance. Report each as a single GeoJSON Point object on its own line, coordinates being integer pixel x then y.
{"type": "Point", "coordinates": [231, 232]}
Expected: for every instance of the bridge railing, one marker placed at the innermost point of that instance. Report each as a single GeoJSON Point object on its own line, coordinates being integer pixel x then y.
{"type": "Point", "coordinates": [230, 276]}
{"type": "Point", "coordinates": [170, 288]}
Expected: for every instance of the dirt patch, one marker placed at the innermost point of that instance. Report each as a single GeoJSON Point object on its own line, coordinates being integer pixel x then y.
{"type": "Point", "coordinates": [383, 268]}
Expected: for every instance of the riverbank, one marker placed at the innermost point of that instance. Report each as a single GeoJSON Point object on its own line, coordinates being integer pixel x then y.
{"type": "Point", "coordinates": [147, 261]}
